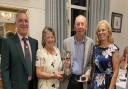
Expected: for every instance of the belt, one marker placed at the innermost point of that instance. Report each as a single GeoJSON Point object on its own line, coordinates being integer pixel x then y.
{"type": "Point", "coordinates": [75, 77]}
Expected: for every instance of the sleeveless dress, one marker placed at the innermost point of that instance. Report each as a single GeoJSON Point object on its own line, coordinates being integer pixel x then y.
{"type": "Point", "coordinates": [103, 67]}
{"type": "Point", "coordinates": [51, 63]}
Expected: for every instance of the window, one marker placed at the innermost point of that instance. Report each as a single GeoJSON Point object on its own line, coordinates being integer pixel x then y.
{"type": "Point", "coordinates": [74, 13]}
{"type": "Point", "coordinates": [75, 8]}
{"type": "Point", "coordinates": [79, 2]}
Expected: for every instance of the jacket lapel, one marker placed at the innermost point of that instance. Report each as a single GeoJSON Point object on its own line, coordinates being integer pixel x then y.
{"type": "Point", "coordinates": [21, 54]}
{"type": "Point", "coordinates": [18, 46]}
{"type": "Point", "coordinates": [32, 49]}
{"type": "Point", "coordinates": [19, 49]}
{"type": "Point", "coordinates": [72, 49]}
{"type": "Point", "coordinates": [86, 53]}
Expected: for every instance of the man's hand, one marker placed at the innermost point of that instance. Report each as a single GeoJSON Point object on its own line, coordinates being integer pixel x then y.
{"type": "Point", "coordinates": [86, 77]}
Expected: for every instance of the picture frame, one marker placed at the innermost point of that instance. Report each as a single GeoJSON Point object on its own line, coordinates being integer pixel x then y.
{"type": "Point", "coordinates": [116, 22]}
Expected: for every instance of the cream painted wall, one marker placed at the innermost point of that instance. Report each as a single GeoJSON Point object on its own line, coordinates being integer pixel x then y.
{"type": "Point", "coordinates": [36, 10]}
{"type": "Point", "coordinates": [37, 23]}
{"type": "Point", "coordinates": [120, 6]}
{"type": "Point", "coordinates": [36, 13]}
{"type": "Point", "coordinates": [37, 18]}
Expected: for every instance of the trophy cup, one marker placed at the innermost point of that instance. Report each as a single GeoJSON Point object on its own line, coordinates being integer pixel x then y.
{"type": "Point", "coordinates": [67, 62]}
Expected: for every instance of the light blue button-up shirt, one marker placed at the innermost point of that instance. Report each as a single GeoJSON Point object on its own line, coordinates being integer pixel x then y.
{"type": "Point", "coordinates": [78, 57]}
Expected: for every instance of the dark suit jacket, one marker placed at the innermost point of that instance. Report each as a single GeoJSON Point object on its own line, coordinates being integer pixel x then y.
{"type": "Point", "coordinates": [13, 71]}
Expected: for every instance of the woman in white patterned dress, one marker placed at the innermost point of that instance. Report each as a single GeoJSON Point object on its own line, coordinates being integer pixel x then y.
{"type": "Point", "coordinates": [48, 63]}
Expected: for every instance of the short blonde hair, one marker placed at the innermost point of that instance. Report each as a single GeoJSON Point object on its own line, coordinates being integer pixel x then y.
{"type": "Point", "coordinates": [110, 39]}
{"type": "Point", "coordinates": [21, 11]}
{"type": "Point", "coordinates": [45, 30]}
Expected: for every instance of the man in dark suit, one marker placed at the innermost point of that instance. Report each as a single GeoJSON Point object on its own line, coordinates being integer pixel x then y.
{"type": "Point", "coordinates": [15, 71]}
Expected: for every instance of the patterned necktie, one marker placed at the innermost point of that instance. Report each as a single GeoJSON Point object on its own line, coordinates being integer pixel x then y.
{"type": "Point", "coordinates": [28, 62]}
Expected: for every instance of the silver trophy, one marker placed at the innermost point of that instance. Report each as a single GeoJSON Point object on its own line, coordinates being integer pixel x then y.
{"type": "Point", "coordinates": [68, 55]}
{"type": "Point", "coordinates": [67, 63]}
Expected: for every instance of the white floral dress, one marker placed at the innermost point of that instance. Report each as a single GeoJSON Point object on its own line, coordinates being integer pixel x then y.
{"type": "Point", "coordinates": [103, 67]}
{"type": "Point", "coordinates": [51, 63]}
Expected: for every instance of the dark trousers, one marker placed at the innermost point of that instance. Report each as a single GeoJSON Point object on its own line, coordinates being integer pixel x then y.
{"type": "Point", "coordinates": [33, 84]}
{"type": "Point", "coordinates": [73, 83]}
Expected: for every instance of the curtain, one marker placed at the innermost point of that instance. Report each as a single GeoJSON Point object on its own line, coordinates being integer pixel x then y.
{"type": "Point", "coordinates": [55, 18]}
{"type": "Point", "coordinates": [98, 10]}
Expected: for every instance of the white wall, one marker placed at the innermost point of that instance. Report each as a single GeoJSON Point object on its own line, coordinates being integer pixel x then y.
{"type": "Point", "coordinates": [120, 6]}
{"type": "Point", "coordinates": [36, 13]}
{"type": "Point", "coordinates": [37, 18]}
{"type": "Point", "coordinates": [36, 9]}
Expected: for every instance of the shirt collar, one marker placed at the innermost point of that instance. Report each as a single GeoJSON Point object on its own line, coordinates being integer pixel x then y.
{"type": "Point", "coordinates": [21, 36]}
{"type": "Point", "coordinates": [82, 41]}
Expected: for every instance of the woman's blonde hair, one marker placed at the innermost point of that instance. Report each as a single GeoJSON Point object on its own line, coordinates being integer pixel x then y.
{"type": "Point", "coordinates": [45, 30]}
{"type": "Point", "coordinates": [110, 39]}
{"type": "Point", "coordinates": [124, 53]}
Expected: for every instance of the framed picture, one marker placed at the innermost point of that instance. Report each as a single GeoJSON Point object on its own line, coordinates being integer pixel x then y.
{"type": "Point", "coordinates": [1, 31]}
{"type": "Point", "coordinates": [116, 22]}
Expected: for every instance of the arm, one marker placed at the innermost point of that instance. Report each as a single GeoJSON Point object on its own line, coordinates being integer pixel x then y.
{"type": "Point", "coordinates": [41, 74]}
{"type": "Point", "coordinates": [40, 71]}
{"type": "Point", "coordinates": [89, 64]}
{"type": "Point", "coordinates": [5, 65]}
{"type": "Point", "coordinates": [115, 61]}
{"type": "Point", "coordinates": [44, 75]}
{"type": "Point", "coordinates": [122, 63]}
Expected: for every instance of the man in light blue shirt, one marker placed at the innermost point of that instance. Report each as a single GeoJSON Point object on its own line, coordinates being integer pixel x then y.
{"type": "Point", "coordinates": [78, 57]}
{"type": "Point", "coordinates": [80, 47]}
